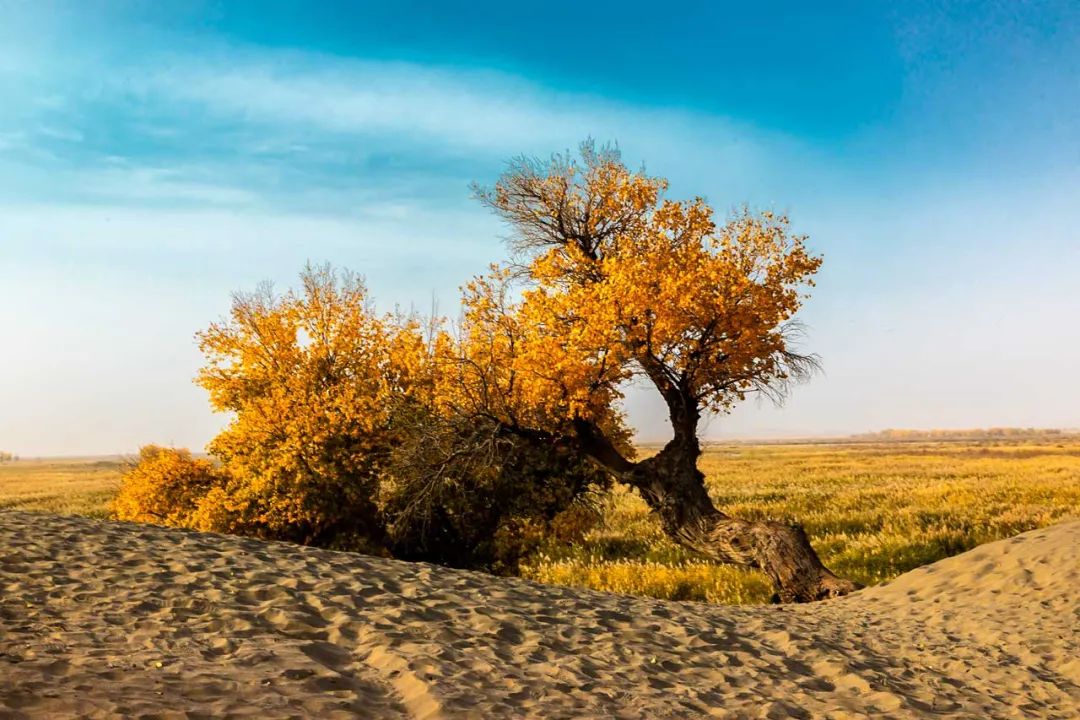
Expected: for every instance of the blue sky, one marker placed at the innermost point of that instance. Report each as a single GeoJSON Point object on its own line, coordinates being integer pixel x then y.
{"type": "Point", "coordinates": [155, 157]}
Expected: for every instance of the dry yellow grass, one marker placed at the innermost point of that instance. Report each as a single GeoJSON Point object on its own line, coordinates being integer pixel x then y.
{"type": "Point", "coordinates": [873, 510]}
{"type": "Point", "coordinates": [80, 486]}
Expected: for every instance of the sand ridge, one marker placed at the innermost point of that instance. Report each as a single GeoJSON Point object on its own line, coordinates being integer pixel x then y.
{"type": "Point", "coordinates": [101, 619]}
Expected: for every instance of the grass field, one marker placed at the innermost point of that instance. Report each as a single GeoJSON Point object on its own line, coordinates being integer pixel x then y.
{"type": "Point", "coordinates": [77, 486]}
{"type": "Point", "coordinates": [873, 510]}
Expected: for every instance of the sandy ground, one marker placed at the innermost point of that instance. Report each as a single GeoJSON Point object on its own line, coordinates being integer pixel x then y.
{"type": "Point", "coordinates": [113, 620]}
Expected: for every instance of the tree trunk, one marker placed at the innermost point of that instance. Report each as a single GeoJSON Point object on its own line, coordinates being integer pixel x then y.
{"type": "Point", "coordinates": [674, 489]}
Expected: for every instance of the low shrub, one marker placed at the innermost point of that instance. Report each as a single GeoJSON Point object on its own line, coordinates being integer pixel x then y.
{"type": "Point", "coordinates": [167, 486]}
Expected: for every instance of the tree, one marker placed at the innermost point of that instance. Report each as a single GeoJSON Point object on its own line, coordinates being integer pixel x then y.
{"type": "Point", "coordinates": [335, 440]}
{"type": "Point", "coordinates": [610, 281]}
{"type": "Point", "coordinates": [311, 379]}
{"type": "Point", "coordinates": [442, 444]}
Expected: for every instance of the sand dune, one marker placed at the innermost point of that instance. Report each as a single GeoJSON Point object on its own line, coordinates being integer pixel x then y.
{"type": "Point", "coordinates": [114, 620]}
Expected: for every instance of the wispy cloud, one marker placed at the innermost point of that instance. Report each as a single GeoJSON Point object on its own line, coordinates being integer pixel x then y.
{"type": "Point", "coordinates": [314, 133]}
{"type": "Point", "coordinates": [475, 110]}
{"type": "Point", "coordinates": [163, 185]}
{"type": "Point", "coordinates": [64, 134]}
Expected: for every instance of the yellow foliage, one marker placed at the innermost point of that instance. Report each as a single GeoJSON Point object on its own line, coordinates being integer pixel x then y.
{"type": "Point", "coordinates": [616, 280]}
{"type": "Point", "coordinates": [312, 379]}
{"type": "Point", "coordinates": [166, 487]}
{"type": "Point", "coordinates": [331, 440]}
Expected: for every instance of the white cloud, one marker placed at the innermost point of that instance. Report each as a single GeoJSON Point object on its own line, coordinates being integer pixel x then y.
{"type": "Point", "coordinates": [454, 111]}
{"type": "Point", "coordinates": [479, 110]}
{"type": "Point", "coordinates": [64, 134]}
{"type": "Point", "coordinates": [156, 184]}
{"type": "Point", "coordinates": [224, 126]}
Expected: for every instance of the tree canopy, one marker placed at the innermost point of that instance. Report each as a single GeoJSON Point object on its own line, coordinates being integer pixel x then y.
{"type": "Point", "coordinates": [614, 280]}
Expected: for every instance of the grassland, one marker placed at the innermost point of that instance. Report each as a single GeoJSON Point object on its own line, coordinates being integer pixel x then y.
{"type": "Point", "coordinates": [873, 510]}
{"type": "Point", "coordinates": [77, 486]}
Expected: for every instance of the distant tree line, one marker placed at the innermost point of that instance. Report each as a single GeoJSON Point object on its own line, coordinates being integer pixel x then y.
{"type": "Point", "coordinates": [945, 434]}
{"type": "Point", "coordinates": [7, 457]}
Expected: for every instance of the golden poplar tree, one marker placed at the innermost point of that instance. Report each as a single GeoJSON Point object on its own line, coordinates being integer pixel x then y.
{"type": "Point", "coordinates": [610, 281]}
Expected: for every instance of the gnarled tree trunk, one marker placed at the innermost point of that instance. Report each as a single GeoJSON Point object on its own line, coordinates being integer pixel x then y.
{"type": "Point", "coordinates": [674, 489]}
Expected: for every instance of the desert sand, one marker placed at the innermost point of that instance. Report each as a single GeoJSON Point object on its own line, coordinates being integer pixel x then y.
{"type": "Point", "coordinates": [101, 619]}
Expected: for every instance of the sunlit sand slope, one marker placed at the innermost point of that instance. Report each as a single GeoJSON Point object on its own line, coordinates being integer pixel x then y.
{"type": "Point", "coordinates": [105, 619]}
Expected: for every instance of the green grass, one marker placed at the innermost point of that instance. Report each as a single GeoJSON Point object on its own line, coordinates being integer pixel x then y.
{"type": "Point", "coordinates": [872, 510]}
